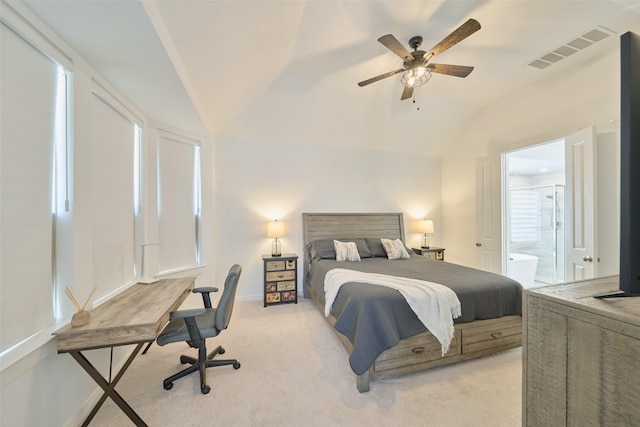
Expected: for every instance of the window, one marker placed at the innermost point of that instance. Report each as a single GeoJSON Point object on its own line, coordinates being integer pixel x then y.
{"type": "Point", "coordinates": [33, 113]}
{"type": "Point", "coordinates": [178, 202]}
{"type": "Point", "coordinates": [115, 138]}
{"type": "Point", "coordinates": [524, 215]}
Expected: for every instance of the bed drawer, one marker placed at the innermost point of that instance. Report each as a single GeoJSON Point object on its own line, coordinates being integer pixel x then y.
{"type": "Point", "coordinates": [505, 332]}
{"type": "Point", "coordinates": [415, 350]}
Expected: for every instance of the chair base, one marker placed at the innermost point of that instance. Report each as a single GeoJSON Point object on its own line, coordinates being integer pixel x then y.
{"type": "Point", "coordinates": [201, 364]}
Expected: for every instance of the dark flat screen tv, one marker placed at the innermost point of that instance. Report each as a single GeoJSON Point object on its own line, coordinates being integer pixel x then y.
{"type": "Point", "coordinates": [629, 166]}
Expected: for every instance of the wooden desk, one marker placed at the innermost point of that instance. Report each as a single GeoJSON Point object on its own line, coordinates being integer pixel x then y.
{"type": "Point", "coordinates": [135, 316]}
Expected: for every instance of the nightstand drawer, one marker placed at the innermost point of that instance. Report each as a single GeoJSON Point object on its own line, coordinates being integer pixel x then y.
{"type": "Point", "coordinates": [274, 276]}
{"type": "Point", "coordinates": [271, 298]}
{"type": "Point", "coordinates": [274, 265]}
{"type": "Point", "coordinates": [288, 285]}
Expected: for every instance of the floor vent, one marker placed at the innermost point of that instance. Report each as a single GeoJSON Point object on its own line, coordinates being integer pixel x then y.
{"type": "Point", "coordinates": [577, 44]}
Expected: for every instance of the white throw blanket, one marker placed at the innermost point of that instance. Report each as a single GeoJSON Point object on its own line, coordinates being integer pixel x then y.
{"type": "Point", "coordinates": [435, 305]}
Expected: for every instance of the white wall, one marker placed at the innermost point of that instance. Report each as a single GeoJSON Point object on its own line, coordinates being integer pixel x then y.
{"type": "Point", "coordinates": [551, 109]}
{"type": "Point", "coordinates": [257, 181]}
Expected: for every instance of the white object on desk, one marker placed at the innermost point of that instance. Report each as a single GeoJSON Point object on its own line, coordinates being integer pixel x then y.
{"type": "Point", "coordinates": [144, 279]}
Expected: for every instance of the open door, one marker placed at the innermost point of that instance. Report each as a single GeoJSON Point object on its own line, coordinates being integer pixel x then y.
{"type": "Point", "coordinates": [488, 214]}
{"type": "Point", "coordinates": [580, 236]}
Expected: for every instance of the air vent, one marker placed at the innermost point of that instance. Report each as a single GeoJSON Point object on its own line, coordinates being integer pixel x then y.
{"type": "Point", "coordinates": [577, 44]}
{"type": "Point", "coordinates": [565, 50]}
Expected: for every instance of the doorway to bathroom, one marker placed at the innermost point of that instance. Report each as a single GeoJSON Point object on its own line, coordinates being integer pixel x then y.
{"type": "Point", "coordinates": [534, 214]}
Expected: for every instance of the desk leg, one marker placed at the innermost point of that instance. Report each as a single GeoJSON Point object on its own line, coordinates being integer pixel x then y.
{"type": "Point", "coordinates": [109, 388]}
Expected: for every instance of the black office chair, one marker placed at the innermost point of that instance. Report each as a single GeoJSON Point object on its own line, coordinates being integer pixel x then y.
{"type": "Point", "coordinates": [196, 325]}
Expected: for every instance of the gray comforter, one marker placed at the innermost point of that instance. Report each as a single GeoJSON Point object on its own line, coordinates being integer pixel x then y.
{"type": "Point", "coordinates": [376, 318]}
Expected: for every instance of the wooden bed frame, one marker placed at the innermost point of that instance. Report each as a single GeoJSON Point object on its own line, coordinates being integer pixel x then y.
{"type": "Point", "coordinates": [422, 351]}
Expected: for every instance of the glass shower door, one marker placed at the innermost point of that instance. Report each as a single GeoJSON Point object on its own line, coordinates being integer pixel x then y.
{"type": "Point", "coordinates": [536, 227]}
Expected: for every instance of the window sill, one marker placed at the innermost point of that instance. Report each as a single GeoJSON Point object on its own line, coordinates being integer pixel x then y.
{"type": "Point", "coordinates": [29, 345]}
{"type": "Point", "coordinates": [195, 270]}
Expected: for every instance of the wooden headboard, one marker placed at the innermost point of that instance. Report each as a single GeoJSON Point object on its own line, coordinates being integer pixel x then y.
{"type": "Point", "coordinates": [345, 225]}
{"type": "Point", "coordinates": [326, 225]}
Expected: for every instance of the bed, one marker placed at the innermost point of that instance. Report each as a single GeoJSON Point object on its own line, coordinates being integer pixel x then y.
{"type": "Point", "coordinates": [376, 325]}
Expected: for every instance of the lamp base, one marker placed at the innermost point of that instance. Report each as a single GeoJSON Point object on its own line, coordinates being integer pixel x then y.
{"type": "Point", "coordinates": [425, 242]}
{"type": "Point", "coordinates": [275, 247]}
{"type": "Point", "coordinates": [147, 280]}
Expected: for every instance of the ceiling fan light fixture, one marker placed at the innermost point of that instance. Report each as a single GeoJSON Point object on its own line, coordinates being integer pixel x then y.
{"type": "Point", "coordinates": [416, 76]}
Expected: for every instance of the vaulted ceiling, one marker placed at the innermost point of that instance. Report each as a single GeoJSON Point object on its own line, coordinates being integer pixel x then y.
{"type": "Point", "coordinates": [287, 70]}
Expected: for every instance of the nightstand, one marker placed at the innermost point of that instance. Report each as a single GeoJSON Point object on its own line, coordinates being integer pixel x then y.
{"type": "Point", "coordinates": [432, 252]}
{"type": "Point", "coordinates": [280, 279]}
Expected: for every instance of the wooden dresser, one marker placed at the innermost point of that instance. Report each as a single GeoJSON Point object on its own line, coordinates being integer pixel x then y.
{"type": "Point", "coordinates": [581, 356]}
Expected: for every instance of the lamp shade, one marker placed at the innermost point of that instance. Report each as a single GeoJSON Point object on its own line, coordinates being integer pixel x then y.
{"type": "Point", "coordinates": [275, 229]}
{"type": "Point", "coordinates": [425, 226]}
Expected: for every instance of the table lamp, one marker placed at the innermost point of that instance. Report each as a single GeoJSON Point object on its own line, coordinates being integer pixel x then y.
{"type": "Point", "coordinates": [275, 230]}
{"type": "Point", "coordinates": [425, 226]}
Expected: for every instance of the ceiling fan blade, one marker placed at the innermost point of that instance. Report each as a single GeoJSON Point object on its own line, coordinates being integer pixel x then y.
{"type": "Point", "coordinates": [461, 33]}
{"type": "Point", "coordinates": [407, 93]}
{"type": "Point", "coordinates": [392, 43]}
{"type": "Point", "coordinates": [451, 70]}
{"type": "Point", "coordinates": [380, 77]}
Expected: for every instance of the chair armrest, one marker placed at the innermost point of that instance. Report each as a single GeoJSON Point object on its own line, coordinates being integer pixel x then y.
{"type": "Point", "coordinates": [205, 291]}
{"type": "Point", "coordinates": [183, 314]}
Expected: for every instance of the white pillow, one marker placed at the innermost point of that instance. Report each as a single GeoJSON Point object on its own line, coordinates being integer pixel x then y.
{"type": "Point", "coordinates": [395, 249]}
{"type": "Point", "coordinates": [346, 251]}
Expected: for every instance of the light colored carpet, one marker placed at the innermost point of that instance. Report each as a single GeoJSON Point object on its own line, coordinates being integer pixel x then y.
{"type": "Point", "coordinates": [295, 372]}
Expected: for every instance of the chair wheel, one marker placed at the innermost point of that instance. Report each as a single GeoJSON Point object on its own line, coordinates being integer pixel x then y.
{"type": "Point", "coordinates": [236, 365]}
{"type": "Point", "coordinates": [183, 360]}
{"type": "Point", "coordinates": [205, 389]}
{"type": "Point", "coordinates": [222, 350]}
{"type": "Point", "coordinates": [168, 386]}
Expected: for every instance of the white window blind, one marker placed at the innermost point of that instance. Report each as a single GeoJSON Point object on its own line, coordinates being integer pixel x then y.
{"type": "Point", "coordinates": [113, 145]}
{"type": "Point", "coordinates": [28, 88]}
{"type": "Point", "coordinates": [524, 215]}
{"type": "Point", "coordinates": [178, 203]}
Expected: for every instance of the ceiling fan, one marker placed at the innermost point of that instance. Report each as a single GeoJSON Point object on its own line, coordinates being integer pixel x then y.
{"type": "Point", "coordinates": [416, 67]}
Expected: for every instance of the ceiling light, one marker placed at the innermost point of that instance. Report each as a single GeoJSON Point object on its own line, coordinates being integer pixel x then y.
{"type": "Point", "coordinates": [416, 76]}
